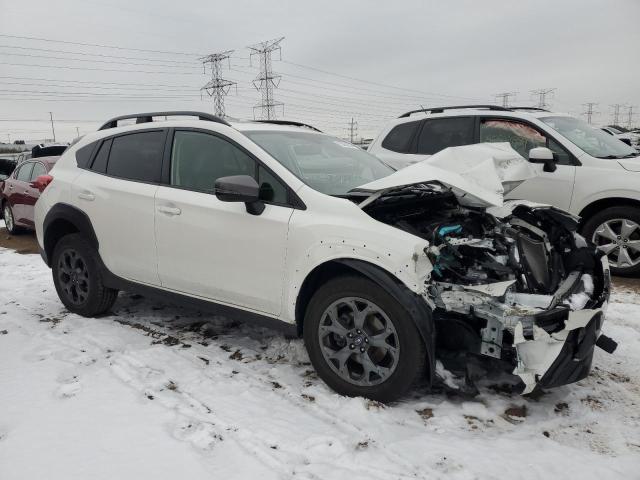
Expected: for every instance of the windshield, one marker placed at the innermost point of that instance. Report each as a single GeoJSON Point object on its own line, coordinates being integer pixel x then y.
{"type": "Point", "coordinates": [593, 141]}
{"type": "Point", "coordinates": [325, 163]}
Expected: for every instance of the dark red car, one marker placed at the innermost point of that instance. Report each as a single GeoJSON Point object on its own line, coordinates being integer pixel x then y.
{"type": "Point", "coordinates": [20, 191]}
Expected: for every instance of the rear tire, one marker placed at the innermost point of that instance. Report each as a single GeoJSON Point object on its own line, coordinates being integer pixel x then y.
{"type": "Point", "coordinates": [77, 277]}
{"type": "Point", "coordinates": [616, 231]}
{"type": "Point", "coordinates": [382, 361]}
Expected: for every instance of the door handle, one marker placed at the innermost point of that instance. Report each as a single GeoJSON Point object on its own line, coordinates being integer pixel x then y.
{"type": "Point", "coordinates": [86, 195]}
{"type": "Point", "coordinates": [171, 211]}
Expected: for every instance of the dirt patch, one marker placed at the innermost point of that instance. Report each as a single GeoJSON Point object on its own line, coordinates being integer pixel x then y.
{"type": "Point", "coordinates": [24, 243]}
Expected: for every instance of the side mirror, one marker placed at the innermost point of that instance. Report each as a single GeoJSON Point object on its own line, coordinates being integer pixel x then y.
{"type": "Point", "coordinates": [625, 140]}
{"type": "Point", "coordinates": [240, 188]}
{"type": "Point", "coordinates": [545, 156]}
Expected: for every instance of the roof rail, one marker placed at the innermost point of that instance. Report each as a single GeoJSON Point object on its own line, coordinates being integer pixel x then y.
{"type": "Point", "coordinates": [289, 122]}
{"type": "Point", "coordinates": [535, 109]}
{"type": "Point", "coordinates": [148, 117]}
{"type": "Point", "coordinates": [456, 107]}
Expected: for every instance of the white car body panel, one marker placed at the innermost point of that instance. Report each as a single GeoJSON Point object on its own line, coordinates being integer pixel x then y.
{"type": "Point", "coordinates": [227, 255]}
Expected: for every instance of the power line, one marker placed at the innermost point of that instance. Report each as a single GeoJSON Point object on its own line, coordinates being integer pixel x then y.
{"type": "Point", "coordinates": [100, 45]}
{"type": "Point", "coordinates": [104, 55]}
{"type": "Point", "coordinates": [91, 60]}
{"type": "Point", "coordinates": [266, 79]}
{"type": "Point", "coordinates": [217, 87]}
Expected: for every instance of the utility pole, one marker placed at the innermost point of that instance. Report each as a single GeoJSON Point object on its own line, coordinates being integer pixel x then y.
{"type": "Point", "coordinates": [542, 96]}
{"type": "Point", "coordinates": [77, 132]}
{"type": "Point", "coordinates": [616, 113]}
{"type": "Point", "coordinates": [53, 130]}
{"type": "Point", "coordinates": [217, 87]}
{"type": "Point", "coordinates": [353, 130]}
{"type": "Point", "coordinates": [630, 115]}
{"type": "Point", "coordinates": [505, 96]}
{"type": "Point", "coordinates": [589, 113]}
{"type": "Point", "coordinates": [266, 80]}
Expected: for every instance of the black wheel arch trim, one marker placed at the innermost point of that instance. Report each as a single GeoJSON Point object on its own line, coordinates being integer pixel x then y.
{"type": "Point", "coordinates": [415, 305]}
{"type": "Point", "coordinates": [56, 224]}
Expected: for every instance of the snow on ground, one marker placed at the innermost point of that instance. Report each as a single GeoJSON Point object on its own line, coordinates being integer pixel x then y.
{"type": "Point", "coordinates": [160, 392]}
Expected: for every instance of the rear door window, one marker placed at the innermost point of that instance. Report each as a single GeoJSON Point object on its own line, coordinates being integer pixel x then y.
{"type": "Point", "coordinates": [38, 169]}
{"type": "Point", "coordinates": [137, 156]}
{"type": "Point", "coordinates": [24, 172]}
{"type": "Point", "coordinates": [438, 134]}
{"type": "Point", "coordinates": [400, 137]}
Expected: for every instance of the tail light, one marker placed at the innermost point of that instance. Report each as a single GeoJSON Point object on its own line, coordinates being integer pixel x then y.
{"type": "Point", "coordinates": [42, 182]}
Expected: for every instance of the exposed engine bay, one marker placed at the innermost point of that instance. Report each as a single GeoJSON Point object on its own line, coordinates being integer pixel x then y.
{"type": "Point", "coordinates": [515, 283]}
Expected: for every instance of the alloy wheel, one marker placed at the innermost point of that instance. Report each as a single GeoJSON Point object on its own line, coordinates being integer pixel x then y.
{"type": "Point", "coordinates": [619, 239]}
{"type": "Point", "coordinates": [73, 275]}
{"type": "Point", "coordinates": [8, 218]}
{"type": "Point", "coordinates": [358, 341]}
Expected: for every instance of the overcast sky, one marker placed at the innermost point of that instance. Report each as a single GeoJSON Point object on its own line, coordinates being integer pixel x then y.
{"type": "Point", "coordinates": [412, 52]}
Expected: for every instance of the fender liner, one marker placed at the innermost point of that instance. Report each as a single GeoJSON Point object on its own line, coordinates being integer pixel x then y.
{"type": "Point", "coordinates": [415, 305]}
{"type": "Point", "coordinates": [63, 214]}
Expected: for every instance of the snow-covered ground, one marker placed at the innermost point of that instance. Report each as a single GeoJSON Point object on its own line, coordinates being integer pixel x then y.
{"type": "Point", "coordinates": [159, 392]}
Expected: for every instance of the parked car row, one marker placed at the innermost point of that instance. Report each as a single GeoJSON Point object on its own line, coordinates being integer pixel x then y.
{"type": "Point", "coordinates": [381, 271]}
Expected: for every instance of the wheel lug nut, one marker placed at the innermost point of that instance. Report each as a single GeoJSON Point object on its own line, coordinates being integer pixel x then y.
{"type": "Point", "coordinates": [361, 349]}
{"type": "Point", "coordinates": [619, 237]}
{"type": "Point", "coordinates": [366, 340]}
{"type": "Point", "coordinates": [358, 332]}
{"type": "Point", "coordinates": [350, 335]}
{"type": "Point", "coordinates": [352, 346]}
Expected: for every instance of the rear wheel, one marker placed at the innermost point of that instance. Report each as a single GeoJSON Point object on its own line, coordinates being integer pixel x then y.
{"type": "Point", "coordinates": [9, 220]}
{"type": "Point", "coordinates": [361, 340]}
{"type": "Point", "coordinates": [78, 278]}
{"type": "Point", "coordinates": [616, 232]}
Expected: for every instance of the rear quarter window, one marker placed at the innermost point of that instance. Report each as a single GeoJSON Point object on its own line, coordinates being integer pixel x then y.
{"type": "Point", "coordinates": [400, 137]}
{"type": "Point", "coordinates": [83, 155]}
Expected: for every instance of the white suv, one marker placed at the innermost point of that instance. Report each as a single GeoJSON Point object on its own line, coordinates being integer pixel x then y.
{"type": "Point", "coordinates": [278, 221]}
{"type": "Point", "coordinates": [593, 175]}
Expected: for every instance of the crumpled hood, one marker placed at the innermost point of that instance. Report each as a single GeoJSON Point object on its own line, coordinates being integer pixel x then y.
{"type": "Point", "coordinates": [478, 175]}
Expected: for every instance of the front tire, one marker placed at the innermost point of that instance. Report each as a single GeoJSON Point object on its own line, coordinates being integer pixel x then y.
{"type": "Point", "coordinates": [362, 341]}
{"type": "Point", "coordinates": [616, 232]}
{"type": "Point", "coordinates": [78, 278]}
{"type": "Point", "coordinates": [9, 219]}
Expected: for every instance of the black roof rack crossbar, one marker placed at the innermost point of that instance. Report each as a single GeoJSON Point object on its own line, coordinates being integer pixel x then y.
{"type": "Point", "coordinates": [148, 117]}
{"type": "Point", "coordinates": [289, 122]}
{"type": "Point", "coordinates": [455, 107]}
{"type": "Point", "coordinates": [535, 109]}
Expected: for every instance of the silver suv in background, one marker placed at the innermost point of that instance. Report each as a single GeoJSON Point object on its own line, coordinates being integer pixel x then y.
{"type": "Point", "coordinates": [583, 170]}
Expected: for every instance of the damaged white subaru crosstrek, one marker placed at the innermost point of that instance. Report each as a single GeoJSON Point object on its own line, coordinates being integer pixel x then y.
{"type": "Point", "coordinates": [382, 272]}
